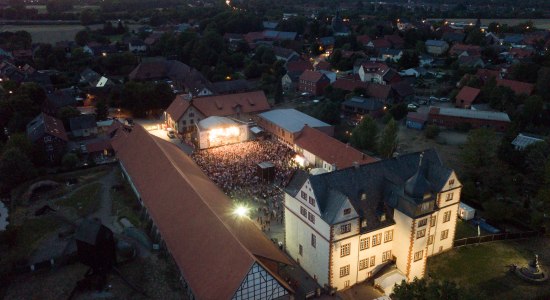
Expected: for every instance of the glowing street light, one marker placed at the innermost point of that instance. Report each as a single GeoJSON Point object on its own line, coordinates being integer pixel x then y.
{"type": "Point", "coordinates": [241, 211]}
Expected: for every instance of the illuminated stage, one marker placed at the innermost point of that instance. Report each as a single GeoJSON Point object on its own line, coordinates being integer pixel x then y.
{"type": "Point", "coordinates": [220, 131]}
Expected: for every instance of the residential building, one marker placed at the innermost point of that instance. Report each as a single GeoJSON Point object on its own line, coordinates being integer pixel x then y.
{"type": "Point", "coordinates": [48, 134]}
{"type": "Point", "coordinates": [344, 226]}
{"type": "Point", "coordinates": [137, 46]}
{"type": "Point", "coordinates": [524, 140]}
{"type": "Point", "coordinates": [377, 72]}
{"type": "Point", "coordinates": [286, 124]}
{"type": "Point", "coordinates": [192, 221]}
{"type": "Point", "coordinates": [436, 47]}
{"type": "Point", "coordinates": [458, 117]}
{"type": "Point", "coordinates": [184, 112]}
{"type": "Point", "coordinates": [357, 107]}
{"type": "Point", "coordinates": [294, 69]}
{"type": "Point", "coordinates": [392, 55]}
{"type": "Point", "coordinates": [83, 126]}
{"type": "Point", "coordinates": [519, 88]}
{"type": "Point", "coordinates": [466, 97]}
{"type": "Point", "coordinates": [285, 54]}
{"type": "Point", "coordinates": [313, 82]}
{"type": "Point", "coordinates": [319, 150]}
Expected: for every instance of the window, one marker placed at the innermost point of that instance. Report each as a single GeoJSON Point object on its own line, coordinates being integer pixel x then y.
{"type": "Point", "coordinates": [345, 228]}
{"type": "Point", "coordinates": [364, 244]}
{"type": "Point", "coordinates": [376, 239]}
{"type": "Point", "coordinates": [388, 236]}
{"type": "Point", "coordinates": [311, 217]}
{"type": "Point", "coordinates": [303, 195]}
{"type": "Point", "coordinates": [47, 139]}
{"type": "Point", "coordinates": [191, 114]}
{"type": "Point", "coordinates": [363, 196]}
{"type": "Point", "coordinates": [369, 274]}
{"type": "Point", "coordinates": [49, 147]}
{"type": "Point", "coordinates": [444, 234]}
{"type": "Point", "coordinates": [447, 216]}
{"type": "Point", "coordinates": [345, 250]}
{"type": "Point", "coordinates": [303, 211]}
{"type": "Point", "coordinates": [449, 197]}
{"type": "Point", "coordinates": [451, 182]}
{"type": "Point", "coordinates": [425, 206]}
{"type": "Point", "coordinates": [344, 271]}
{"type": "Point", "coordinates": [418, 255]}
{"type": "Point", "coordinates": [364, 223]}
{"type": "Point", "coordinates": [430, 239]}
{"type": "Point", "coordinates": [432, 221]}
{"type": "Point", "coordinates": [312, 201]}
{"type": "Point", "coordinates": [420, 233]}
{"type": "Point", "coordinates": [313, 240]}
{"type": "Point", "coordinates": [184, 122]}
{"type": "Point", "coordinates": [191, 121]}
{"type": "Point", "coordinates": [347, 211]}
{"type": "Point", "coordinates": [346, 284]}
{"type": "Point", "coordinates": [372, 262]}
{"type": "Point", "coordinates": [423, 222]}
{"type": "Point", "coordinates": [363, 264]}
{"type": "Point", "coordinates": [386, 256]}
{"type": "Point", "coordinates": [301, 250]}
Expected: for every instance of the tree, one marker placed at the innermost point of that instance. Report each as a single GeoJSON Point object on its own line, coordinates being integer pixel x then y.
{"type": "Point", "coordinates": [422, 289]}
{"type": "Point", "coordinates": [15, 168]}
{"type": "Point", "coordinates": [543, 83]}
{"type": "Point", "coordinates": [532, 110]}
{"type": "Point", "coordinates": [409, 60]}
{"type": "Point", "coordinates": [69, 161]}
{"type": "Point", "coordinates": [388, 139]}
{"type": "Point", "coordinates": [101, 110]}
{"type": "Point", "coordinates": [365, 135]}
{"type": "Point", "coordinates": [479, 153]}
{"type": "Point", "coordinates": [20, 142]}
{"type": "Point", "coordinates": [87, 17]}
{"type": "Point", "coordinates": [431, 131]}
{"type": "Point", "coordinates": [399, 111]}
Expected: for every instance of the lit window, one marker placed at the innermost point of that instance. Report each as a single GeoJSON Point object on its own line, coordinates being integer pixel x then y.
{"type": "Point", "coordinates": [444, 234]}
{"type": "Point", "coordinates": [345, 228]}
{"type": "Point", "coordinates": [388, 236]}
{"type": "Point", "coordinates": [344, 271]}
{"type": "Point", "coordinates": [386, 256]}
{"type": "Point", "coordinates": [420, 233]}
{"type": "Point", "coordinates": [364, 244]}
{"type": "Point", "coordinates": [345, 249]}
{"type": "Point", "coordinates": [418, 255]}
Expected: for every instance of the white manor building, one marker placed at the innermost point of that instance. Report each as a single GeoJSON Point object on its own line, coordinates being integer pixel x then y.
{"type": "Point", "coordinates": [344, 226]}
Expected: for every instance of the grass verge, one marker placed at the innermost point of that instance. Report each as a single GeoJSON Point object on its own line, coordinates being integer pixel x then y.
{"type": "Point", "coordinates": [85, 200]}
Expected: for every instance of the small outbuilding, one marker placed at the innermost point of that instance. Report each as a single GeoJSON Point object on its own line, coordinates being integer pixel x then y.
{"type": "Point", "coordinates": [466, 212]}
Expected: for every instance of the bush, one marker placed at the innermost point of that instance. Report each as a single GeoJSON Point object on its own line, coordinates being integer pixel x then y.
{"type": "Point", "coordinates": [432, 131]}
{"type": "Point", "coordinates": [69, 161]}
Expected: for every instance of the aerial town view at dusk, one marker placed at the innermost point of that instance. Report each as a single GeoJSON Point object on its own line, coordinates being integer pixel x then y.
{"type": "Point", "coordinates": [277, 150]}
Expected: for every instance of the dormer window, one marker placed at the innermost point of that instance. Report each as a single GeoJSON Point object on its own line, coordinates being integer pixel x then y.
{"type": "Point", "coordinates": [363, 196]}
{"type": "Point", "coordinates": [382, 217]}
{"type": "Point", "coordinates": [347, 211]}
{"type": "Point", "coordinates": [364, 223]}
{"type": "Point", "coordinates": [451, 182]}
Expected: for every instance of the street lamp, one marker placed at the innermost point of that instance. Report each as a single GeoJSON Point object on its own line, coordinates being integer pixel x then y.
{"type": "Point", "coordinates": [241, 211]}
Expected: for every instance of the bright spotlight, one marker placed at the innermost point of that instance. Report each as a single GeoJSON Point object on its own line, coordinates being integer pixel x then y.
{"type": "Point", "coordinates": [241, 211]}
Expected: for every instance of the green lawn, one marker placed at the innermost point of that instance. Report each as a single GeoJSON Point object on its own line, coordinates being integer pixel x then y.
{"type": "Point", "coordinates": [482, 268]}
{"type": "Point", "coordinates": [85, 200]}
{"type": "Point", "coordinates": [125, 204]}
{"type": "Point", "coordinates": [464, 230]}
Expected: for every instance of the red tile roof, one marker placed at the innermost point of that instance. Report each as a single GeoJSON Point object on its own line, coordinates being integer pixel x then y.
{"type": "Point", "coordinates": [330, 149]}
{"type": "Point", "coordinates": [517, 86]}
{"type": "Point", "coordinates": [178, 107]}
{"type": "Point", "coordinates": [457, 49]}
{"type": "Point", "coordinates": [381, 43]}
{"type": "Point", "coordinates": [312, 76]}
{"type": "Point", "coordinates": [395, 40]}
{"type": "Point", "coordinates": [213, 249]}
{"type": "Point", "coordinates": [298, 66]}
{"type": "Point", "coordinates": [54, 127]}
{"type": "Point", "coordinates": [486, 74]}
{"type": "Point", "coordinates": [323, 65]}
{"type": "Point", "coordinates": [363, 39]}
{"type": "Point", "coordinates": [349, 84]}
{"type": "Point", "coordinates": [99, 146]}
{"type": "Point", "coordinates": [378, 91]}
{"type": "Point", "coordinates": [521, 53]}
{"type": "Point", "coordinates": [466, 96]}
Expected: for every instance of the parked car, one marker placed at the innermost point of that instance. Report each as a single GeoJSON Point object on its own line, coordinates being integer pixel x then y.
{"type": "Point", "coordinates": [444, 99]}
{"type": "Point", "coordinates": [412, 107]}
{"type": "Point", "coordinates": [433, 99]}
{"type": "Point", "coordinates": [171, 134]}
{"type": "Point", "coordinates": [422, 102]}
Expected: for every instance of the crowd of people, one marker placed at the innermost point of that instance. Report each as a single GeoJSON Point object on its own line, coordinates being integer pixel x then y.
{"type": "Point", "coordinates": [234, 168]}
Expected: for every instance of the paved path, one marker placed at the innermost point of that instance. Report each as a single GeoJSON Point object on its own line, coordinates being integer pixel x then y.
{"type": "Point", "coordinates": [105, 210]}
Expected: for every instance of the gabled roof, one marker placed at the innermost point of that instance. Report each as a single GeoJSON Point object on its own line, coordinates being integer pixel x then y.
{"type": "Point", "coordinates": [382, 182]}
{"type": "Point", "coordinates": [349, 84]}
{"type": "Point", "coordinates": [330, 149]}
{"type": "Point", "coordinates": [312, 76]}
{"type": "Point", "coordinates": [231, 86]}
{"type": "Point", "coordinates": [457, 49]}
{"type": "Point", "coordinates": [178, 107]}
{"type": "Point", "coordinates": [291, 120]}
{"type": "Point", "coordinates": [298, 66]}
{"type": "Point", "coordinates": [403, 88]}
{"type": "Point", "coordinates": [45, 124]}
{"type": "Point", "coordinates": [381, 43]}
{"type": "Point", "coordinates": [363, 39]}
{"type": "Point", "coordinates": [194, 217]}
{"type": "Point", "coordinates": [517, 86]}
{"type": "Point", "coordinates": [486, 74]}
{"type": "Point", "coordinates": [284, 52]}
{"type": "Point", "coordinates": [523, 140]}
{"type": "Point", "coordinates": [436, 43]}
{"type": "Point", "coordinates": [467, 96]}
{"type": "Point", "coordinates": [82, 122]}
{"type": "Point", "coordinates": [395, 40]}
{"type": "Point", "coordinates": [470, 114]}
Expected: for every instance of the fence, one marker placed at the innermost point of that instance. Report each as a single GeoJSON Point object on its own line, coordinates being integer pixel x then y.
{"type": "Point", "coordinates": [494, 237]}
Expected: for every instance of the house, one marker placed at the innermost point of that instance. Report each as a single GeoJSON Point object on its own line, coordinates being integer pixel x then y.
{"type": "Point", "coordinates": [187, 211]}
{"type": "Point", "coordinates": [137, 46]}
{"type": "Point", "coordinates": [416, 120]}
{"type": "Point", "coordinates": [58, 99]}
{"type": "Point", "coordinates": [465, 50]}
{"type": "Point", "coordinates": [294, 69]}
{"type": "Point", "coordinates": [395, 40]}
{"type": "Point", "coordinates": [330, 75]}
{"type": "Point", "coordinates": [466, 97]}
{"type": "Point", "coordinates": [524, 140]}
{"type": "Point", "coordinates": [453, 37]}
{"type": "Point", "coordinates": [270, 25]}
{"type": "Point", "coordinates": [471, 62]}
{"type": "Point", "coordinates": [313, 82]}
{"type": "Point", "coordinates": [425, 60]}
{"type": "Point", "coordinates": [83, 126]}
{"type": "Point", "coordinates": [183, 113]}
{"type": "Point", "coordinates": [486, 74]}
{"type": "Point", "coordinates": [327, 43]}
{"type": "Point", "coordinates": [338, 26]}
{"type": "Point", "coordinates": [319, 150]}
{"type": "Point", "coordinates": [403, 91]}
{"type": "Point", "coordinates": [184, 78]}
{"type": "Point", "coordinates": [357, 107]}
{"type": "Point", "coordinates": [519, 88]}
{"type": "Point", "coordinates": [286, 124]}
{"type": "Point", "coordinates": [377, 72]}
{"type": "Point", "coordinates": [285, 54]}
{"type": "Point", "coordinates": [513, 39]}
{"type": "Point", "coordinates": [379, 44]}
{"type": "Point", "coordinates": [458, 117]}
{"type": "Point", "coordinates": [376, 91]}
{"type": "Point", "coordinates": [363, 40]}
{"type": "Point", "coordinates": [100, 151]}
{"type": "Point", "coordinates": [48, 134]}
{"type": "Point", "coordinates": [231, 86]}
{"type": "Point", "coordinates": [392, 55]}
{"type": "Point", "coordinates": [344, 226]}
{"type": "Point", "coordinates": [323, 66]}
{"type": "Point", "coordinates": [436, 47]}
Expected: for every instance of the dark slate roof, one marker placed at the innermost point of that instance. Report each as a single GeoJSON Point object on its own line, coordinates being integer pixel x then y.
{"type": "Point", "coordinates": [232, 86]}
{"type": "Point", "coordinates": [82, 122]}
{"type": "Point", "coordinates": [383, 182]}
{"type": "Point", "coordinates": [60, 98]}
{"type": "Point", "coordinates": [365, 103]}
